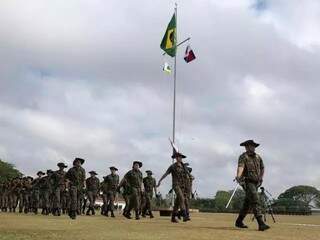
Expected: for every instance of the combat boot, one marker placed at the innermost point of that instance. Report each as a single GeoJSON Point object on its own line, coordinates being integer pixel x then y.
{"type": "Point", "coordinates": [262, 225]}
{"type": "Point", "coordinates": [127, 215]}
{"type": "Point", "coordinates": [150, 214]}
{"type": "Point", "coordinates": [93, 211]}
{"type": "Point", "coordinates": [112, 214]}
{"type": "Point", "coordinates": [185, 216]}
{"type": "Point", "coordinates": [173, 218]}
{"type": "Point", "coordinates": [35, 211]}
{"type": "Point", "coordinates": [239, 222]}
{"type": "Point", "coordinates": [88, 212]}
{"type": "Point", "coordinates": [137, 215]}
{"type": "Point", "coordinates": [73, 215]}
{"type": "Point", "coordinates": [20, 210]}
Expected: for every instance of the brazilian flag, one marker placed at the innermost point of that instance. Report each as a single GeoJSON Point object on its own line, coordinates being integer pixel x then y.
{"type": "Point", "coordinates": [168, 43]}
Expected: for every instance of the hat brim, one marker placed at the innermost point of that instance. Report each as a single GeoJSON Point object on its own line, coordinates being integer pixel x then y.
{"type": "Point", "coordinates": [93, 172]}
{"type": "Point", "coordinates": [178, 155]}
{"type": "Point", "coordinates": [114, 168]}
{"type": "Point", "coordinates": [249, 143]}
{"type": "Point", "coordinates": [80, 160]}
{"type": "Point", "coordinates": [136, 162]}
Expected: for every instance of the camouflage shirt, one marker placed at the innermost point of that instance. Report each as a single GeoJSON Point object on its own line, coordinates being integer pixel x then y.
{"type": "Point", "coordinates": [253, 166]}
{"type": "Point", "coordinates": [134, 178]}
{"type": "Point", "coordinates": [180, 175]}
{"type": "Point", "coordinates": [76, 176]}
{"type": "Point", "coordinates": [149, 184]}
{"type": "Point", "coordinates": [36, 184]}
{"type": "Point", "coordinates": [112, 182]}
{"type": "Point", "coordinates": [59, 178]}
{"type": "Point", "coordinates": [92, 184]}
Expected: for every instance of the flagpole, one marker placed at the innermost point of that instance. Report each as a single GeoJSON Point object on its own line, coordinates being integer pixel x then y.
{"type": "Point", "coordinates": [174, 89]}
{"type": "Point", "coordinates": [175, 79]}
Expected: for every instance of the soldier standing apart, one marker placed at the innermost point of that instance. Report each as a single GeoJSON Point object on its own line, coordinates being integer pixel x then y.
{"type": "Point", "coordinates": [59, 184]}
{"type": "Point", "coordinates": [112, 182]}
{"type": "Point", "coordinates": [76, 176]}
{"type": "Point", "coordinates": [92, 184]}
{"type": "Point", "coordinates": [133, 178]}
{"type": "Point", "coordinates": [250, 175]}
{"type": "Point", "coordinates": [149, 184]}
{"type": "Point", "coordinates": [180, 179]}
{"type": "Point", "coordinates": [36, 192]}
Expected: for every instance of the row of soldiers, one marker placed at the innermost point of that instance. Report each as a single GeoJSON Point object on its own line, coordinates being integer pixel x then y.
{"type": "Point", "coordinates": [59, 192]}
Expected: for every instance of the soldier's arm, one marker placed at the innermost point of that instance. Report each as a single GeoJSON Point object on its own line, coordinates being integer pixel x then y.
{"type": "Point", "coordinates": [164, 176]}
{"type": "Point", "coordinates": [240, 168]}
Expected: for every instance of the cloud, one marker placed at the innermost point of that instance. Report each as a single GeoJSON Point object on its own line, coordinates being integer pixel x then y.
{"type": "Point", "coordinates": [84, 79]}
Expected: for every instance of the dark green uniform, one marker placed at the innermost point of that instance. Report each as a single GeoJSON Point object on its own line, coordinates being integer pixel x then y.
{"type": "Point", "coordinates": [253, 167]}
{"type": "Point", "coordinates": [112, 182]}
{"type": "Point", "coordinates": [76, 176]}
{"type": "Point", "coordinates": [134, 181]}
{"type": "Point", "coordinates": [149, 184]}
{"type": "Point", "coordinates": [93, 185]}
{"type": "Point", "coordinates": [36, 194]}
{"type": "Point", "coordinates": [46, 185]}
{"type": "Point", "coordinates": [180, 180]}
{"type": "Point", "coordinates": [59, 191]}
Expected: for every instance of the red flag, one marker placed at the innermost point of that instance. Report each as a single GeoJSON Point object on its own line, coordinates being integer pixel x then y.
{"type": "Point", "coordinates": [189, 55]}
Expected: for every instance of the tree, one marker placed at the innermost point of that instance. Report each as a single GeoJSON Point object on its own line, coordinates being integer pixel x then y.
{"type": "Point", "coordinates": [221, 200]}
{"type": "Point", "coordinates": [303, 193]}
{"type": "Point", "coordinates": [8, 171]}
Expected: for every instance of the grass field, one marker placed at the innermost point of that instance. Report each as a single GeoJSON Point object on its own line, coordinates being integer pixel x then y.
{"type": "Point", "coordinates": [202, 226]}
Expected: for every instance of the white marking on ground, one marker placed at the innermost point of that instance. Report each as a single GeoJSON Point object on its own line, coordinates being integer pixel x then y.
{"type": "Point", "coordinates": [301, 224]}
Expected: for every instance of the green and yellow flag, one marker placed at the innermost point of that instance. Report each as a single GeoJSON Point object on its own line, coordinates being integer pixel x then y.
{"type": "Point", "coordinates": [168, 43]}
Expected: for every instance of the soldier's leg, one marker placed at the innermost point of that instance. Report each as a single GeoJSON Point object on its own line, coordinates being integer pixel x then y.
{"type": "Point", "coordinates": [111, 203]}
{"type": "Point", "coordinates": [148, 204]}
{"type": "Point", "coordinates": [244, 209]}
{"type": "Point", "coordinates": [254, 202]}
{"type": "Point", "coordinates": [90, 198]}
{"type": "Point", "coordinates": [73, 202]}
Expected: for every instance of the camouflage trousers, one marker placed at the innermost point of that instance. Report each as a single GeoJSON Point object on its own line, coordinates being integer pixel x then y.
{"type": "Point", "coordinates": [12, 201]}
{"type": "Point", "coordinates": [36, 199]}
{"type": "Point", "coordinates": [76, 198]}
{"type": "Point", "coordinates": [146, 202]}
{"type": "Point", "coordinates": [60, 198]}
{"type": "Point", "coordinates": [251, 200]}
{"type": "Point", "coordinates": [134, 199]}
{"type": "Point", "coordinates": [5, 200]}
{"type": "Point", "coordinates": [27, 200]}
{"type": "Point", "coordinates": [110, 197]}
{"type": "Point", "coordinates": [92, 195]}
{"type": "Point", "coordinates": [180, 201]}
{"type": "Point", "coordinates": [45, 196]}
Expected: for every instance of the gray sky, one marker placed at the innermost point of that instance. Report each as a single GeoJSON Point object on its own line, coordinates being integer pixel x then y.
{"type": "Point", "coordinates": [84, 78]}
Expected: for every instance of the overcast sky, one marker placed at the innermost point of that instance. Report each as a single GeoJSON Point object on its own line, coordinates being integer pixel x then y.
{"type": "Point", "coordinates": [83, 78]}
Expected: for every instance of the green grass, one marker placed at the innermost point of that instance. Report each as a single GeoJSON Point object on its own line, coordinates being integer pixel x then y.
{"type": "Point", "coordinates": [202, 226]}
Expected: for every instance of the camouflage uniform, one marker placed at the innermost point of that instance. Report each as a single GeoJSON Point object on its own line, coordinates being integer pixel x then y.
{"type": "Point", "coordinates": [45, 192]}
{"type": "Point", "coordinates": [180, 180]}
{"type": "Point", "coordinates": [134, 181]}
{"type": "Point", "coordinates": [36, 194]}
{"type": "Point", "coordinates": [59, 190]}
{"type": "Point", "coordinates": [93, 185]}
{"type": "Point", "coordinates": [27, 191]}
{"type": "Point", "coordinates": [110, 192]}
{"type": "Point", "coordinates": [253, 166]}
{"type": "Point", "coordinates": [13, 195]}
{"type": "Point", "coordinates": [149, 185]}
{"type": "Point", "coordinates": [76, 176]}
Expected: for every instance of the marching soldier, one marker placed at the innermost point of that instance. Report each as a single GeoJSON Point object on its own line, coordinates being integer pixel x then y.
{"type": "Point", "coordinates": [27, 191]}
{"type": "Point", "coordinates": [112, 182]}
{"type": "Point", "coordinates": [76, 176]}
{"type": "Point", "coordinates": [93, 185]}
{"type": "Point", "coordinates": [46, 191]}
{"type": "Point", "coordinates": [250, 175]}
{"type": "Point", "coordinates": [36, 185]}
{"type": "Point", "coordinates": [133, 179]}
{"type": "Point", "coordinates": [180, 179]}
{"type": "Point", "coordinates": [59, 187]}
{"type": "Point", "coordinates": [149, 186]}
